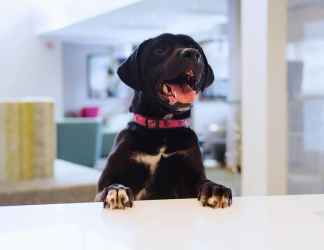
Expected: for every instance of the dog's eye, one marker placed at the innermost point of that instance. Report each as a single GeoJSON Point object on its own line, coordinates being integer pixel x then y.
{"type": "Point", "coordinates": [160, 51]}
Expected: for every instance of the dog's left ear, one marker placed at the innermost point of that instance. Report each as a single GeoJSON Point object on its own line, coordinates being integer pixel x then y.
{"type": "Point", "coordinates": [130, 71]}
{"type": "Point", "coordinates": [208, 77]}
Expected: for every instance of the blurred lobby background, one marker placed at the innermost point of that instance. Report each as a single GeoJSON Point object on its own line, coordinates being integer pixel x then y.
{"type": "Point", "coordinates": [260, 124]}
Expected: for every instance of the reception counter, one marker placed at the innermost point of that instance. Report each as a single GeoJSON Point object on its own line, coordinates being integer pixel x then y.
{"type": "Point", "coordinates": [274, 223]}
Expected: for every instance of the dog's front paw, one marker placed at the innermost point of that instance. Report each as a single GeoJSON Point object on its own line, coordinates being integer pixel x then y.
{"type": "Point", "coordinates": [214, 195]}
{"type": "Point", "coordinates": [117, 196]}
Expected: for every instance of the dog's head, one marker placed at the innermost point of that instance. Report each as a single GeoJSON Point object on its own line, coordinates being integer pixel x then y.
{"type": "Point", "coordinates": [171, 69]}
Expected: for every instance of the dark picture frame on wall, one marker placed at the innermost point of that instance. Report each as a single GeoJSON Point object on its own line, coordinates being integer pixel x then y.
{"type": "Point", "coordinates": [102, 79]}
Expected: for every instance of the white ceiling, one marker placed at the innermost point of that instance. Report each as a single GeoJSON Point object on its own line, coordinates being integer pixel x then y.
{"type": "Point", "coordinates": [148, 18]}
{"type": "Point", "coordinates": [200, 18]}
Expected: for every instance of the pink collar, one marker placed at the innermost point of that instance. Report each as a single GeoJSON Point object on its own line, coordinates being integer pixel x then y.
{"type": "Point", "coordinates": [156, 123]}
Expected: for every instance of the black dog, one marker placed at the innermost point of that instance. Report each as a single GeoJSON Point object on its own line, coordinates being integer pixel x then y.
{"type": "Point", "coordinates": [157, 156]}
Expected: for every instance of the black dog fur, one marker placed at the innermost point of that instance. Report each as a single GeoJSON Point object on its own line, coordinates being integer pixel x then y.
{"type": "Point", "coordinates": [156, 163]}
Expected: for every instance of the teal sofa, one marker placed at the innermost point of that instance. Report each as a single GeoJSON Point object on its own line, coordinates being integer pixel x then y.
{"type": "Point", "coordinates": [79, 140]}
{"type": "Point", "coordinates": [108, 138]}
{"type": "Point", "coordinates": [83, 140]}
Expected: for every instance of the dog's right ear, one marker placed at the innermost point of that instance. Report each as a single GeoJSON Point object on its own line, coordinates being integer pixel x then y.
{"type": "Point", "coordinates": [130, 71]}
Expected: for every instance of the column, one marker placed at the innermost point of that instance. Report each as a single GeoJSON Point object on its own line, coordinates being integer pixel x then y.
{"type": "Point", "coordinates": [264, 97]}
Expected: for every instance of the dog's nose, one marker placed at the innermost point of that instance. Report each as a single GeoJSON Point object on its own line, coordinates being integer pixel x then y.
{"type": "Point", "coordinates": [190, 53]}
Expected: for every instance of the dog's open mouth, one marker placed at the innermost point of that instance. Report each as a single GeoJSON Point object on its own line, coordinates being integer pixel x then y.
{"type": "Point", "coordinates": [180, 89]}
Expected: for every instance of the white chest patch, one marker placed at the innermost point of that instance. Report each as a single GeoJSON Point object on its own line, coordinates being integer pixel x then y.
{"type": "Point", "coordinates": [150, 160]}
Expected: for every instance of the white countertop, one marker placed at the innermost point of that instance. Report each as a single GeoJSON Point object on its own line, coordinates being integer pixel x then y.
{"type": "Point", "coordinates": [274, 223]}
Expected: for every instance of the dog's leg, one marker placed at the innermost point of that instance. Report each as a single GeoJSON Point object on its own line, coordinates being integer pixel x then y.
{"type": "Point", "coordinates": [208, 193]}
{"type": "Point", "coordinates": [121, 176]}
{"type": "Point", "coordinates": [214, 195]}
{"type": "Point", "coordinates": [116, 196]}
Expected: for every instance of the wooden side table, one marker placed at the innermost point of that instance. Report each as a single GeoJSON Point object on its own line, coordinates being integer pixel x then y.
{"type": "Point", "coordinates": [71, 183]}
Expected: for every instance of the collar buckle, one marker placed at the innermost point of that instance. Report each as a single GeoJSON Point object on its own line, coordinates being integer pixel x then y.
{"type": "Point", "coordinates": [152, 123]}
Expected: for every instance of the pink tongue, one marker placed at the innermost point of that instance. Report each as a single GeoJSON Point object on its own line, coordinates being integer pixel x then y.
{"type": "Point", "coordinates": [183, 94]}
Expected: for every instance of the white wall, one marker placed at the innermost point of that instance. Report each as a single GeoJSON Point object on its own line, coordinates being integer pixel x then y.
{"type": "Point", "coordinates": [75, 80]}
{"type": "Point", "coordinates": [27, 66]}
{"type": "Point", "coordinates": [75, 74]}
